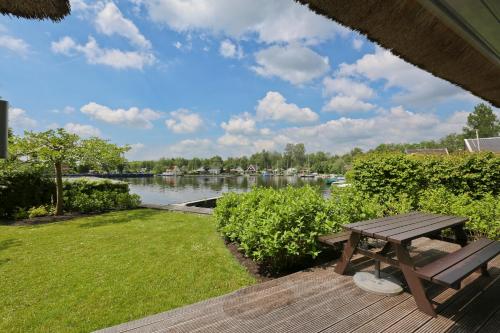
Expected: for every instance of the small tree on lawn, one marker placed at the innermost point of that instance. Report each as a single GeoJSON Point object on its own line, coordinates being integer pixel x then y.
{"type": "Point", "coordinates": [55, 148]}
{"type": "Point", "coordinates": [52, 148]}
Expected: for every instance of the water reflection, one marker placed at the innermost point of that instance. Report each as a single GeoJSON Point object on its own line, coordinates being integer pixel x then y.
{"type": "Point", "coordinates": [167, 190]}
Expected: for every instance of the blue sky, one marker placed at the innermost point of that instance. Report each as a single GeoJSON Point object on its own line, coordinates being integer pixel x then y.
{"type": "Point", "coordinates": [228, 77]}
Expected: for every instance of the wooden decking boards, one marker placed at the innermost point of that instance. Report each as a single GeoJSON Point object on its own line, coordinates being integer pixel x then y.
{"type": "Point", "coordinates": [319, 300]}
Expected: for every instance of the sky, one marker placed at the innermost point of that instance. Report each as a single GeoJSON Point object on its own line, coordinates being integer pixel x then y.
{"type": "Point", "coordinates": [228, 77]}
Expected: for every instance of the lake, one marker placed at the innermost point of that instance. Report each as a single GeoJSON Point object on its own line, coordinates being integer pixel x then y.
{"type": "Point", "coordinates": [169, 190]}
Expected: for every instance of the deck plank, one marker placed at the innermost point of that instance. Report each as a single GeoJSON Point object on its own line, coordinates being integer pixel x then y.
{"type": "Point", "coordinates": [319, 300]}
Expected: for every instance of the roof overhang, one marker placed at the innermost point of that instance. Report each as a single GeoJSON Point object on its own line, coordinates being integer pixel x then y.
{"type": "Point", "coordinates": [54, 10]}
{"type": "Point", "coordinates": [456, 40]}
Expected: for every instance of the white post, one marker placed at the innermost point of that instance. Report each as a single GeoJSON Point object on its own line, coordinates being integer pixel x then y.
{"type": "Point", "coordinates": [477, 138]}
{"type": "Point", "coordinates": [4, 128]}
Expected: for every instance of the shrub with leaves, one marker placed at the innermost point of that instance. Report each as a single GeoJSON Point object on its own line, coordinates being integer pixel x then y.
{"type": "Point", "coordinates": [275, 226]}
{"type": "Point", "coordinates": [392, 174]}
{"type": "Point", "coordinates": [483, 214]}
{"type": "Point", "coordinates": [98, 195]}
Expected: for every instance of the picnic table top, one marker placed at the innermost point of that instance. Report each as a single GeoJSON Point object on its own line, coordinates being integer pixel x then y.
{"type": "Point", "coordinates": [405, 227]}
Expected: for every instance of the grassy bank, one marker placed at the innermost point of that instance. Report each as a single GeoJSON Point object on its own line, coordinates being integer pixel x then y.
{"type": "Point", "coordinates": [94, 272]}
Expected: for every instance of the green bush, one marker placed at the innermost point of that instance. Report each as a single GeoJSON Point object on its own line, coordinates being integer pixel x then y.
{"type": "Point", "coordinates": [40, 211]}
{"type": "Point", "coordinates": [22, 188]}
{"type": "Point", "coordinates": [483, 214]}
{"type": "Point", "coordinates": [275, 226]}
{"type": "Point", "coordinates": [88, 195]}
{"type": "Point", "coordinates": [392, 174]}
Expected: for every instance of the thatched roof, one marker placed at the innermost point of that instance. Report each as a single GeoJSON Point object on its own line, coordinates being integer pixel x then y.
{"type": "Point", "coordinates": [55, 10]}
{"type": "Point", "coordinates": [431, 36]}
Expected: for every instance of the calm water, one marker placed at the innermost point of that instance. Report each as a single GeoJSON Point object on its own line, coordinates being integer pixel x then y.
{"type": "Point", "coordinates": [168, 190]}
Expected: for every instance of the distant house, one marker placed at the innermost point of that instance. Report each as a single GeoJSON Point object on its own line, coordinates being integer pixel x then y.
{"type": "Point", "coordinates": [238, 170]}
{"type": "Point", "coordinates": [202, 170]}
{"type": "Point", "coordinates": [427, 151]}
{"type": "Point", "coordinates": [214, 171]}
{"type": "Point", "coordinates": [483, 144]}
{"type": "Point", "coordinates": [252, 168]}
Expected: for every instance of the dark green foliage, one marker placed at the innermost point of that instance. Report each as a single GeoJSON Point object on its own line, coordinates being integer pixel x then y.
{"type": "Point", "coordinates": [482, 120]}
{"type": "Point", "coordinates": [23, 188]}
{"type": "Point", "coordinates": [277, 227]}
{"type": "Point", "coordinates": [393, 174]}
{"type": "Point", "coordinates": [280, 227]}
{"type": "Point", "coordinates": [85, 195]}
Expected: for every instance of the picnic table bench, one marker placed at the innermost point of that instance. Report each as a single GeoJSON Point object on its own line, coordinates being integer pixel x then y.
{"type": "Point", "coordinates": [398, 231]}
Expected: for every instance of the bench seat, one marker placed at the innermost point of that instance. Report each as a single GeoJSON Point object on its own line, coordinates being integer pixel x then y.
{"type": "Point", "coordinates": [450, 270]}
{"type": "Point", "coordinates": [333, 239]}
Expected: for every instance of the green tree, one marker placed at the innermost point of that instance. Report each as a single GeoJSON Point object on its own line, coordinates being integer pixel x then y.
{"type": "Point", "coordinates": [484, 121]}
{"type": "Point", "coordinates": [57, 149]}
{"type": "Point", "coordinates": [102, 155]}
{"type": "Point", "coordinates": [54, 148]}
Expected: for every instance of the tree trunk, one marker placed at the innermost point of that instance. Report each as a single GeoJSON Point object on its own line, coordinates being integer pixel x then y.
{"type": "Point", "coordinates": [59, 189]}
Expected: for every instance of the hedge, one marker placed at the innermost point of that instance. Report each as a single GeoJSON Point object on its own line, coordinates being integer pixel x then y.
{"type": "Point", "coordinates": [393, 174]}
{"type": "Point", "coordinates": [24, 188]}
{"type": "Point", "coordinates": [27, 192]}
{"type": "Point", "coordinates": [275, 226]}
{"type": "Point", "coordinates": [97, 195]}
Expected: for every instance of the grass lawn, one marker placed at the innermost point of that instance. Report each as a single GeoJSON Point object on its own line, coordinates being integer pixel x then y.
{"type": "Point", "coordinates": [94, 272]}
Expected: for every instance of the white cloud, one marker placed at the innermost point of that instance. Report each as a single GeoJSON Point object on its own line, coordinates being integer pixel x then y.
{"type": "Point", "coordinates": [230, 50]}
{"type": "Point", "coordinates": [184, 121]}
{"type": "Point", "coordinates": [11, 43]}
{"type": "Point", "coordinates": [77, 5]}
{"type": "Point", "coordinates": [417, 86]}
{"type": "Point", "coordinates": [233, 140]}
{"type": "Point", "coordinates": [110, 21]}
{"type": "Point", "coordinates": [274, 107]}
{"type": "Point", "coordinates": [19, 118]}
{"type": "Point", "coordinates": [396, 125]}
{"type": "Point", "coordinates": [293, 63]}
{"type": "Point", "coordinates": [357, 44]}
{"type": "Point", "coordinates": [82, 130]}
{"type": "Point", "coordinates": [94, 54]}
{"type": "Point", "coordinates": [66, 110]}
{"type": "Point", "coordinates": [346, 104]}
{"type": "Point", "coordinates": [346, 87]}
{"type": "Point", "coordinates": [270, 21]}
{"type": "Point", "coordinates": [191, 148]}
{"type": "Point", "coordinates": [243, 124]}
{"type": "Point", "coordinates": [133, 117]}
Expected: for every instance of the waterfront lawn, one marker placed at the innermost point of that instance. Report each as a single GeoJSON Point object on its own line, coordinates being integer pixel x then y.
{"type": "Point", "coordinates": [94, 272]}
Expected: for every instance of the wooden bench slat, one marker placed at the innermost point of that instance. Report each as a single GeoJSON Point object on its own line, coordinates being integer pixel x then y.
{"type": "Point", "coordinates": [429, 271]}
{"type": "Point", "coordinates": [380, 219]}
{"type": "Point", "coordinates": [390, 230]}
{"type": "Point", "coordinates": [451, 276]}
{"type": "Point", "coordinates": [420, 232]}
{"type": "Point", "coordinates": [333, 239]}
{"type": "Point", "coordinates": [411, 227]}
{"type": "Point", "coordinates": [386, 225]}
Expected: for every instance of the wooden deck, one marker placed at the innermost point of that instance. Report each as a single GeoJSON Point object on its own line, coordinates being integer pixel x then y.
{"type": "Point", "coordinates": [319, 300]}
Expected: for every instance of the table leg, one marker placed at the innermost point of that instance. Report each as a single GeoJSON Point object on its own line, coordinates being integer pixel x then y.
{"type": "Point", "coordinates": [414, 282]}
{"type": "Point", "coordinates": [349, 249]}
{"type": "Point", "coordinates": [460, 235]}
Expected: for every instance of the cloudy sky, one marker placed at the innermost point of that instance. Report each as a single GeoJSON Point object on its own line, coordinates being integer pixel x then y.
{"type": "Point", "coordinates": [228, 77]}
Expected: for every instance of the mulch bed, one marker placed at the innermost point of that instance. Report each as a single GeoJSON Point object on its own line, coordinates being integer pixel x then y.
{"type": "Point", "coordinates": [263, 273]}
{"type": "Point", "coordinates": [45, 219]}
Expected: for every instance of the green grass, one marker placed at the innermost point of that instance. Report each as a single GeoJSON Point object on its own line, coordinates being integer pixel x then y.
{"type": "Point", "coordinates": [94, 272]}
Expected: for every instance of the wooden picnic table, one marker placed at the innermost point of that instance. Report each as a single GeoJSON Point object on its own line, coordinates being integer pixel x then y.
{"type": "Point", "coordinates": [398, 232]}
